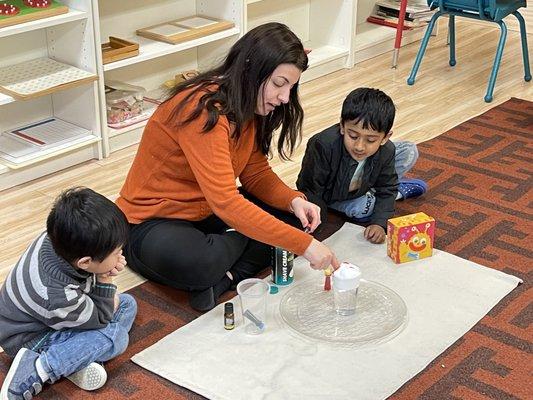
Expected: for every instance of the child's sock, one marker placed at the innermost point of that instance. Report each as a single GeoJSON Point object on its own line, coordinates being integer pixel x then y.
{"type": "Point", "coordinates": [40, 371]}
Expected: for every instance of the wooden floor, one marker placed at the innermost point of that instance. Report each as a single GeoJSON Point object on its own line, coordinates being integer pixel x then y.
{"type": "Point", "coordinates": [441, 98]}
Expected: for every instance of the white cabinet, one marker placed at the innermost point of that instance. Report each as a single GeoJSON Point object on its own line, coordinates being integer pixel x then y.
{"type": "Point", "coordinates": [69, 39]}
{"type": "Point", "coordinates": [157, 61]}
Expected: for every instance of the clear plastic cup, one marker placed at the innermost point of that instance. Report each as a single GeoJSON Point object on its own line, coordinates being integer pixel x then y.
{"type": "Point", "coordinates": [253, 294]}
{"type": "Point", "coordinates": [345, 285]}
{"type": "Point", "coordinates": [345, 301]}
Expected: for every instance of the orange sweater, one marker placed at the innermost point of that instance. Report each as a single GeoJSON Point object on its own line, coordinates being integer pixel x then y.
{"type": "Point", "coordinates": [186, 174]}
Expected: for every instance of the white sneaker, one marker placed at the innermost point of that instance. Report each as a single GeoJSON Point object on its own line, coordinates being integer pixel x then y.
{"type": "Point", "coordinates": [89, 378]}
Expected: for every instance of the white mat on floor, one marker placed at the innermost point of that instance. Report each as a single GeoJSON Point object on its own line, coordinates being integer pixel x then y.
{"type": "Point", "coordinates": [445, 296]}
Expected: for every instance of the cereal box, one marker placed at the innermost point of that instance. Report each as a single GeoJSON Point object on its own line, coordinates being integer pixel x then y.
{"type": "Point", "coordinates": [410, 237]}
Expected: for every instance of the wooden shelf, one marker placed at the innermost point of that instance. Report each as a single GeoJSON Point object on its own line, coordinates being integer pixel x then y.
{"type": "Point", "coordinates": [150, 49]}
{"type": "Point", "coordinates": [72, 15]}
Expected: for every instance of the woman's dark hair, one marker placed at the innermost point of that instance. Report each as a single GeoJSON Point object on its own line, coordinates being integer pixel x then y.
{"type": "Point", "coordinates": [232, 87]}
{"type": "Point", "coordinates": [85, 223]}
{"type": "Point", "coordinates": [372, 107]}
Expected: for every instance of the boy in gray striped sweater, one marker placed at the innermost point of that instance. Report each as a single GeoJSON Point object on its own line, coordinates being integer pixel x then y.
{"type": "Point", "coordinates": [60, 314]}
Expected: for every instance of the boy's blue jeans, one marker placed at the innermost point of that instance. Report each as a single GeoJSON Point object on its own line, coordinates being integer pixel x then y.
{"type": "Point", "coordinates": [66, 352]}
{"type": "Point", "coordinates": [363, 207]}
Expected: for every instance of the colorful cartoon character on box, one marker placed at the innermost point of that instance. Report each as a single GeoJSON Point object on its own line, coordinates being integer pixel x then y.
{"type": "Point", "coordinates": [418, 245]}
{"type": "Point", "coordinates": [410, 237]}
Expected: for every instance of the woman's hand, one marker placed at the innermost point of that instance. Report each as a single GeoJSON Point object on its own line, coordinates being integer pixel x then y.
{"type": "Point", "coordinates": [320, 256]}
{"type": "Point", "coordinates": [374, 234]}
{"type": "Point", "coordinates": [307, 212]}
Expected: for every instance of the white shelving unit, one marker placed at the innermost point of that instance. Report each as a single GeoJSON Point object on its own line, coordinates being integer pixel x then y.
{"type": "Point", "coordinates": [335, 30]}
{"type": "Point", "coordinates": [67, 38]}
{"type": "Point", "coordinates": [157, 62]}
{"type": "Point", "coordinates": [325, 26]}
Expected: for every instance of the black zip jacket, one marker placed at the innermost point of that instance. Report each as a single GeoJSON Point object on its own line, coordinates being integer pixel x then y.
{"type": "Point", "coordinates": [327, 169]}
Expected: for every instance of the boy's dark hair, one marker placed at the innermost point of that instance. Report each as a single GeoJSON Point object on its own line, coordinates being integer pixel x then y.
{"type": "Point", "coordinates": [85, 223]}
{"type": "Point", "coordinates": [370, 106]}
{"type": "Point", "coordinates": [249, 63]}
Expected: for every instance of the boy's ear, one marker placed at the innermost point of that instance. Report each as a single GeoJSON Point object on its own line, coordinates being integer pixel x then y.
{"type": "Point", "coordinates": [84, 262]}
{"type": "Point", "coordinates": [386, 138]}
{"type": "Point", "coordinates": [341, 125]}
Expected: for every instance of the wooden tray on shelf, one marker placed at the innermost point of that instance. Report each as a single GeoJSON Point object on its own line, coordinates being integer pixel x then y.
{"type": "Point", "coordinates": [35, 78]}
{"type": "Point", "coordinates": [27, 14]}
{"type": "Point", "coordinates": [185, 29]}
{"type": "Point", "coordinates": [118, 49]}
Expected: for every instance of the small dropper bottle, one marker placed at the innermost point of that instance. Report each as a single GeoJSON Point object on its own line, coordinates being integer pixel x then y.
{"type": "Point", "coordinates": [229, 316]}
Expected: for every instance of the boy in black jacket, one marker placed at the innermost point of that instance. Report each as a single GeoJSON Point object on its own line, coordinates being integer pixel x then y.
{"type": "Point", "coordinates": [353, 168]}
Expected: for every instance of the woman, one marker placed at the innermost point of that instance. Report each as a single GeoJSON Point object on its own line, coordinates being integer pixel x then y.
{"type": "Point", "coordinates": [191, 227]}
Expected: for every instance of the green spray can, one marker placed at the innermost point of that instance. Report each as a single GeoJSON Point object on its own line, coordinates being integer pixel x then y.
{"type": "Point", "coordinates": [282, 263]}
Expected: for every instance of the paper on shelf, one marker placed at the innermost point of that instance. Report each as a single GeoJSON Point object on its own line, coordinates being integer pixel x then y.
{"type": "Point", "coordinates": [22, 144]}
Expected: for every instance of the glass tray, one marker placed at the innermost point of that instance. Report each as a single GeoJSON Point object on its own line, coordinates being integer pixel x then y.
{"type": "Point", "coordinates": [380, 314]}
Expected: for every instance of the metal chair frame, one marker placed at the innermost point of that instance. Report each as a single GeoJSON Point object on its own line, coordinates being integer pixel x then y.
{"type": "Point", "coordinates": [480, 15]}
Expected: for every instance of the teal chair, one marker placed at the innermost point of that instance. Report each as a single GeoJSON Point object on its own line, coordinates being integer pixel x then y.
{"type": "Point", "coordinates": [487, 10]}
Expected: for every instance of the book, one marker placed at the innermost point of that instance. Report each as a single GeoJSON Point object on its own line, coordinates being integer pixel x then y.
{"type": "Point", "coordinates": [385, 22]}
{"type": "Point", "coordinates": [408, 16]}
{"type": "Point", "coordinates": [412, 9]}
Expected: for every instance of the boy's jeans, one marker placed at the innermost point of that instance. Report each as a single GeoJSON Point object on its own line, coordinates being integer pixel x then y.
{"type": "Point", "coordinates": [362, 207]}
{"type": "Point", "coordinates": [68, 351]}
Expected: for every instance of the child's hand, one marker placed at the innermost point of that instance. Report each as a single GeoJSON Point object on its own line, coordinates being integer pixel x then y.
{"type": "Point", "coordinates": [121, 263]}
{"type": "Point", "coordinates": [374, 234]}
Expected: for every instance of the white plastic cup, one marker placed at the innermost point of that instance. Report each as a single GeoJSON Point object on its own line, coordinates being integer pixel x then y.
{"type": "Point", "coordinates": [253, 294]}
{"type": "Point", "coordinates": [346, 281]}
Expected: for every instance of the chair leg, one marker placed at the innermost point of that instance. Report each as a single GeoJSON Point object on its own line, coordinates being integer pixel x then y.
{"type": "Point", "coordinates": [497, 59]}
{"type": "Point", "coordinates": [451, 33]}
{"type": "Point", "coordinates": [525, 55]}
{"type": "Point", "coordinates": [422, 49]}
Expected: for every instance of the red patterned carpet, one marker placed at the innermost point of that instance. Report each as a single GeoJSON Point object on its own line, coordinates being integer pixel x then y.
{"type": "Point", "coordinates": [480, 177]}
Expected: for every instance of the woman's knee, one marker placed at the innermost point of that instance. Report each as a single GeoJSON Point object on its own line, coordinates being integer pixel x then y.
{"type": "Point", "coordinates": [209, 269]}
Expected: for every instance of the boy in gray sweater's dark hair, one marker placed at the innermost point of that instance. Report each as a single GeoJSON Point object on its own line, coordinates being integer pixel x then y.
{"type": "Point", "coordinates": [60, 314]}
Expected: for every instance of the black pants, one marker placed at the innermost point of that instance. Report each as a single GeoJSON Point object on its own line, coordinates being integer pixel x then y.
{"type": "Point", "coordinates": [196, 255]}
